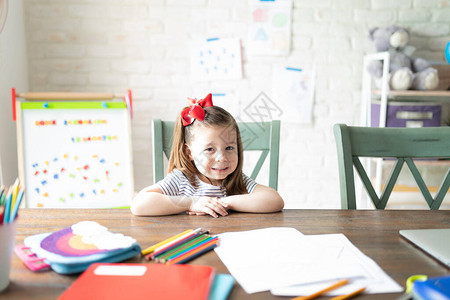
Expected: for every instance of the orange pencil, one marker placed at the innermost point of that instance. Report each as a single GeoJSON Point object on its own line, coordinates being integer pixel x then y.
{"type": "Point", "coordinates": [317, 294]}
{"type": "Point", "coordinates": [164, 247]}
{"type": "Point", "coordinates": [348, 296]}
{"type": "Point", "coordinates": [194, 252]}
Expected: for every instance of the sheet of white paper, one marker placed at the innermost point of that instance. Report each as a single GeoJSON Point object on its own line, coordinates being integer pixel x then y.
{"type": "Point", "coordinates": [374, 279]}
{"type": "Point", "coordinates": [293, 92]}
{"type": "Point", "coordinates": [281, 259]}
{"type": "Point", "coordinates": [264, 259]}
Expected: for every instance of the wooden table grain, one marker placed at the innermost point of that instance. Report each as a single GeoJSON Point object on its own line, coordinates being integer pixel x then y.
{"type": "Point", "coordinates": [374, 232]}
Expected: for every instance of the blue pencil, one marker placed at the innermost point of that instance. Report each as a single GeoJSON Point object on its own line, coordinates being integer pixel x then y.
{"type": "Point", "coordinates": [177, 244]}
{"type": "Point", "coordinates": [197, 254]}
{"type": "Point", "coordinates": [199, 239]}
{"type": "Point", "coordinates": [7, 207]}
{"type": "Point", "coordinates": [176, 255]}
{"type": "Point", "coordinates": [16, 206]}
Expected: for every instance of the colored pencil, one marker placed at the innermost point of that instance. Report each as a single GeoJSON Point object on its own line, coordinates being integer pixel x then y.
{"type": "Point", "coordinates": [15, 191]}
{"type": "Point", "coordinates": [176, 241]}
{"type": "Point", "coordinates": [350, 295]}
{"type": "Point", "coordinates": [3, 198]}
{"type": "Point", "coordinates": [195, 240]}
{"type": "Point", "coordinates": [2, 191]}
{"type": "Point", "coordinates": [16, 205]}
{"type": "Point", "coordinates": [7, 207]}
{"type": "Point", "coordinates": [191, 249]}
{"type": "Point", "coordinates": [325, 290]}
{"type": "Point", "coordinates": [194, 252]}
{"type": "Point", "coordinates": [2, 214]}
{"type": "Point", "coordinates": [184, 248]}
{"type": "Point", "coordinates": [198, 253]}
{"type": "Point", "coordinates": [176, 246]}
{"type": "Point", "coordinates": [152, 248]}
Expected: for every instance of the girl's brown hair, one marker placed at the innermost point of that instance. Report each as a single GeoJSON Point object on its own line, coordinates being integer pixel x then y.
{"type": "Point", "coordinates": [215, 116]}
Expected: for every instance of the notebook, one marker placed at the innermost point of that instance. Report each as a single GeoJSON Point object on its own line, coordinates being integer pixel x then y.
{"type": "Point", "coordinates": [221, 287]}
{"type": "Point", "coordinates": [141, 281]}
{"type": "Point", "coordinates": [435, 242]}
{"type": "Point", "coordinates": [433, 288]}
{"type": "Point", "coordinates": [73, 249]}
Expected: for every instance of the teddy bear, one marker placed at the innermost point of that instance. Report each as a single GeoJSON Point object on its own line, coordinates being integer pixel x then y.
{"type": "Point", "coordinates": [405, 72]}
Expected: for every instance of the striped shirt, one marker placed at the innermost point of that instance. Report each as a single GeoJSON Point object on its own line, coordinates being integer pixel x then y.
{"type": "Point", "coordinates": [176, 184]}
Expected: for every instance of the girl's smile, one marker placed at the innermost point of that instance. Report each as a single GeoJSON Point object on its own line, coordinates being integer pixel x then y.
{"type": "Point", "coordinates": [214, 152]}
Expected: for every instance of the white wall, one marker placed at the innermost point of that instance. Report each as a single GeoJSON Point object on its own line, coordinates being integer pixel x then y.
{"type": "Point", "coordinates": [13, 73]}
{"type": "Point", "coordinates": [104, 46]}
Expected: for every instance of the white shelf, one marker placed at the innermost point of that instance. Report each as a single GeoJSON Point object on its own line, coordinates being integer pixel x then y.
{"type": "Point", "coordinates": [419, 96]}
{"type": "Point", "coordinates": [441, 95]}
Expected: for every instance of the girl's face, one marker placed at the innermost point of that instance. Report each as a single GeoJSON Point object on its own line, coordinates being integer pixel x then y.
{"type": "Point", "coordinates": [214, 152]}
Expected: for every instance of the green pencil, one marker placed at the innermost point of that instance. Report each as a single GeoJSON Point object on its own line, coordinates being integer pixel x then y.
{"type": "Point", "coordinates": [181, 248]}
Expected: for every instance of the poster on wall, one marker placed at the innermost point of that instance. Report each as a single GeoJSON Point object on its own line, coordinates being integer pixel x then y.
{"type": "Point", "coordinates": [293, 91]}
{"type": "Point", "coordinates": [269, 30]}
{"type": "Point", "coordinates": [216, 59]}
{"type": "Point", "coordinates": [76, 154]}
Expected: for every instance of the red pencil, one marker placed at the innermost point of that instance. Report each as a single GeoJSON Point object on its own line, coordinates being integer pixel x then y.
{"type": "Point", "coordinates": [2, 214]}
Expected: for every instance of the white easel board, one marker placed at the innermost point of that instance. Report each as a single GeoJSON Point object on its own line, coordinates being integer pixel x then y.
{"type": "Point", "coordinates": [75, 154]}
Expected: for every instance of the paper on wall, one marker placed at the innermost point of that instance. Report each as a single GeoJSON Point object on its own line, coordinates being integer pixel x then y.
{"type": "Point", "coordinates": [269, 30]}
{"type": "Point", "coordinates": [216, 59]}
{"type": "Point", "coordinates": [293, 91]}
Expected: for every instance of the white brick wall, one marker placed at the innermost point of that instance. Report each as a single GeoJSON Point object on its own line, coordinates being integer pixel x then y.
{"type": "Point", "coordinates": [105, 46]}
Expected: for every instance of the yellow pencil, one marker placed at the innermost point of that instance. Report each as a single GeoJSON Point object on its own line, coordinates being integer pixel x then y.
{"type": "Point", "coordinates": [15, 191]}
{"type": "Point", "coordinates": [152, 248]}
{"type": "Point", "coordinates": [317, 294]}
{"type": "Point", "coordinates": [348, 296]}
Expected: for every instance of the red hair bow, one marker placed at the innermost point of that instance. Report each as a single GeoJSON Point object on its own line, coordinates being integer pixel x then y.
{"type": "Point", "coordinates": [195, 110]}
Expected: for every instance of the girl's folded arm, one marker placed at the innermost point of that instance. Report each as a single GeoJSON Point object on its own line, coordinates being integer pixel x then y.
{"type": "Point", "coordinates": [152, 202]}
{"type": "Point", "coordinates": [263, 199]}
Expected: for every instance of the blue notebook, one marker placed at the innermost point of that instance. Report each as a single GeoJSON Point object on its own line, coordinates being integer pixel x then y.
{"type": "Point", "coordinates": [434, 288]}
{"type": "Point", "coordinates": [221, 287]}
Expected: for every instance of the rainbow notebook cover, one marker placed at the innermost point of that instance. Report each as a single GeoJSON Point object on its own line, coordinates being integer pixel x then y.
{"type": "Point", "coordinates": [73, 249]}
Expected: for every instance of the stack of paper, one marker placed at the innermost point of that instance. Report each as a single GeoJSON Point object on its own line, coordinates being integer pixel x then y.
{"type": "Point", "coordinates": [288, 263]}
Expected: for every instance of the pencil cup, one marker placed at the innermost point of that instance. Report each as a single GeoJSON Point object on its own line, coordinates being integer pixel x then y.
{"type": "Point", "coordinates": [7, 241]}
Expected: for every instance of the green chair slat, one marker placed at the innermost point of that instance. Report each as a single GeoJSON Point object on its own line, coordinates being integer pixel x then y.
{"type": "Point", "coordinates": [404, 144]}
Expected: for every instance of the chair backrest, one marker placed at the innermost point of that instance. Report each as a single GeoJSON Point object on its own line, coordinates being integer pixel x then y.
{"type": "Point", "coordinates": [401, 143]}
{"type": "Point", "coordinates": [256, 136]}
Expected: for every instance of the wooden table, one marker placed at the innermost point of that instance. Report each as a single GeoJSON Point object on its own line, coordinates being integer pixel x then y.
{"type": "Point", "coordinates": [374, 232]}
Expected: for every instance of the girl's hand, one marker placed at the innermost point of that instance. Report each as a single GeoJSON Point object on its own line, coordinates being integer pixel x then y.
{"type": "Point", "coordinates": [208, 205]}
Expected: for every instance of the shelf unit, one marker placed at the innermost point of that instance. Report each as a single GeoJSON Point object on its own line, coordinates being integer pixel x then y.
{"type": "Point", "coordinates": [441, 95]}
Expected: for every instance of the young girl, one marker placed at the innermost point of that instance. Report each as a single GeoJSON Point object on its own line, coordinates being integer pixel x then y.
{"type": "Point", "coordinates": [205, 170]}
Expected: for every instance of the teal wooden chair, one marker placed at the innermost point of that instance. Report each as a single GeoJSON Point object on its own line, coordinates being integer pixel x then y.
{"type": "Point", "coordinates": [404, 144]}
{"type": "Point", "coordinates": [257, 136]}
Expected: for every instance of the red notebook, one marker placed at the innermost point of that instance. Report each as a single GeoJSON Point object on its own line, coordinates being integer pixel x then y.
{"type": "Point", "coordinates": [141, 281]}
